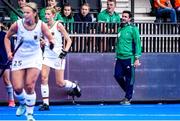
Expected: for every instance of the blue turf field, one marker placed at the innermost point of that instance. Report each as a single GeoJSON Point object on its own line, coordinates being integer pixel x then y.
{"type": "Point", "coordinates": [100, 112]}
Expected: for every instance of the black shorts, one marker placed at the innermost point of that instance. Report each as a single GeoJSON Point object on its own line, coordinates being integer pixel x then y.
{"type": "Point", "coordinates": [3, 61]}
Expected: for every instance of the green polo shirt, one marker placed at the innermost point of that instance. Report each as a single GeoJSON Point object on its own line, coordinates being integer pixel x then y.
{"type": "Point", "coordinates": [104, 16]}
{"type": "Point", "coordinates": [66, 20]}
{"type": "Point", "coordinates": [126, 36]}
{"type": "Point", "coordinates": [69, 22]}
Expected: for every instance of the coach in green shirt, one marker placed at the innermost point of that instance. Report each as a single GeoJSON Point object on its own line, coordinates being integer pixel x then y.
{"type": "Point", "coordinates": [128, 52]}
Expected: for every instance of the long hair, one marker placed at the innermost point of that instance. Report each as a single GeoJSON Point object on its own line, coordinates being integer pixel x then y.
{"type": "Point", "coordinates": [62, 11]}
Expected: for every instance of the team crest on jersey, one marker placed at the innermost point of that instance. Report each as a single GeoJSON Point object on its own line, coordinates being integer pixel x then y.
{"type": "Point", "coordinates": [35, 37]}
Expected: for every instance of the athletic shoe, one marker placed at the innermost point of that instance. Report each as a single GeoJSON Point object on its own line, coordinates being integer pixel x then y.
{"type": "Point", "coordinates": [76, 91]}
{"type": "Point", "coordinates": [44, 107]}
{"type": "Point", "coordinates": [11, 103]}
{"type": "Point", "coordinates": [125, 101]}
{"type": "Point", "coordinates": [30, 117]}
{"type": "Point", "coordinates": [21, 110]}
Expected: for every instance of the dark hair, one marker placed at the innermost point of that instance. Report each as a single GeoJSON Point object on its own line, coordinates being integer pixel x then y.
{"type": "Point", "coordinates": [112, 1]}
{"type": "Point", "coordinates": [128, 12]}
{"type": "Point", "coordinates": [62, 11]}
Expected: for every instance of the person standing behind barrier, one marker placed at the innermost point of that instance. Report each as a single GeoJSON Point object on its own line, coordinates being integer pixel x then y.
{"type": "Point", "coordinates": [83, 15]}
{"type": "Point", "coordinates": [128, 52]}
{"type": "Point", "coordinates": [14, 17]}
{"type": "Point", "coordinates": [54, 61]}
{"type": "Point", "coordinates": [50, 3]}
{"type": "Point", "coordinates": [67, 17]}
{"type": "Point", "coordinates": [164, 7]}
{"type": "Point", "coordinates": [27, 61]}
{"type": "Point", "coordinates": [6, 74]}
{"type": "Point", "coordinates": [108, 16]}
{"type": "Point", "coordinates": [83, 19]}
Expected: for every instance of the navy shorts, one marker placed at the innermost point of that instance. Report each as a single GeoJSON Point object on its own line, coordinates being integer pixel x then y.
{"type": "Point", "coordinates": [3, 61]}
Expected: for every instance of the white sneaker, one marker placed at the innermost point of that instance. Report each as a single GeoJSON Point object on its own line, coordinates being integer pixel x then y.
{"type": "Point", "coordinates": [30, 117]}
{"type": "Point", "coordinates": [125, 101]}
{"type": "Point", "coordinates": [20, 110]}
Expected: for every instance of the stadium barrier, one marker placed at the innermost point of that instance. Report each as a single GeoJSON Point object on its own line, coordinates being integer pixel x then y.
{"type": "Point", "coordinates": [157, 79]}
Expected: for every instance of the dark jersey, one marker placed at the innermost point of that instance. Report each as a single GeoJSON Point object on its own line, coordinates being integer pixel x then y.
{"type": "Point", "coordinates": [3, 55]}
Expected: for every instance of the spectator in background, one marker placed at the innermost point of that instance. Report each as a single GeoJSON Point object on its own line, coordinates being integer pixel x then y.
{"type": "Point", "coordinates": [50, 3]}
{"type": "Point", "coordinates": [14, 17]}
{"type": "Point", "coordinates": [177, 8]}
{"type": "Point", "coordinates": [83, 15]}
{"type": "Point", "coordinates": [164, 7]}
{"type": "Point", "coordinates": [83, 18]}
{"type": "Point", "coordinates": [128, 52]}
{"type": "Point", "coordinates": [109, 16]}
{"type": "Point", "coordinates": [6, 74]}
{"type": "Point", "coordinates": [67, 16]}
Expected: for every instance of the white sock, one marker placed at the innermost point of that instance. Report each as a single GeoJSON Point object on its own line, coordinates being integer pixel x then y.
{"type": "Point", "coordinates": [9, 90]}
{"type": "Point", "coordinates": [69, 84]}
{"type": "Point", "coordinates": [30, 102]}
{"type": "Point", "coordinates": [21, 97]}
{"type": "Point", "coordinates": [45, 93]}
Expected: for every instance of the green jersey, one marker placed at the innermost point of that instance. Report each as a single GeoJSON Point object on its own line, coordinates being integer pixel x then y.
{"type": "Point", "coordinates": [124, 46]}
{"type": "Point", "coordinates": [104, 16]}
{"type": "Point", "coordinates": [43, 12]}
{"type": "Point", "coordinates": [14, 17]}
{"type": "Point", "coordinates": [66, 19]}
{"type": "Point", "coordinates": [69, 22]}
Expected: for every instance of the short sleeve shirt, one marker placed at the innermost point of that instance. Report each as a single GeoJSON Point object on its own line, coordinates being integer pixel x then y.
{"type": "Point", "coordinates": [104, 16]}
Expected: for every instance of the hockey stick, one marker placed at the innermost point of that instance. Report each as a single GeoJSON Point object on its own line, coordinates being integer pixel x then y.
{"type": "Point", "coordinates": [9, 61]}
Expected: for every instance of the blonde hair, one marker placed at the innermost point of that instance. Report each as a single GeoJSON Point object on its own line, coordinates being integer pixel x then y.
{"type": "Point", "coordinates": [53, 10]}
{"type": "Point", "coordinates": [34, 7]}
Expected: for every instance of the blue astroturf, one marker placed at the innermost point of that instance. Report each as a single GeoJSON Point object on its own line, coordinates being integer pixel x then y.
{"type": "Point", "coordinates": [100, 112]}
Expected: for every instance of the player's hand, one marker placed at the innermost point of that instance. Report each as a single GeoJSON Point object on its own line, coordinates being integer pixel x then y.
{"type": "Point", "coordinates": [42, 42]}
{"type": "Point", "coordinates": [10, 55]}
{"type": "Point", "coordinates": [63, 54]}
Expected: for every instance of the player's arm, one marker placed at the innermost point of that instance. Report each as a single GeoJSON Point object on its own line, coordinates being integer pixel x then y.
{"type": "Point", "coordinates": [160, 4]}
{"type": "Point", "coordinates": [47, 33]}
{"type": "Point", "coordinates": [137, 41]}
{"type": "Point", "coordinates": [61, 28]}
